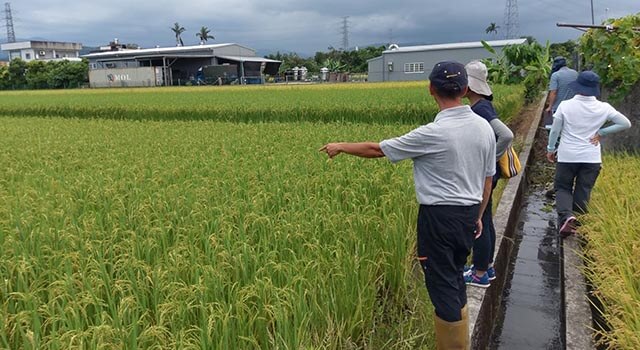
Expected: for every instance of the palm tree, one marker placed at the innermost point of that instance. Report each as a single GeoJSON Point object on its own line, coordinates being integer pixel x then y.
{"type": "Point", "coordinates": [204, 35]}
{"type": "Point", "coordinates": [178, 30]}
{"type": "Point", "coordinates": [492, 28]}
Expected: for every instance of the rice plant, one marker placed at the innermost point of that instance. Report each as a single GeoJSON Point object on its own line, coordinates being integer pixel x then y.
{"type": "Point", "coordinates": [613, 248]}
{"type": "Point", "coordinates": [384, 103]}
{"type": "Point", "coordinates": [153, 219]}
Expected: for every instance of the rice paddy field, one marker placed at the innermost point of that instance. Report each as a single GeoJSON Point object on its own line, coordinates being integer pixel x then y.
{"type": "Point", "coordinates": [205, 218]}
{"type": "Point", "coordinates": [613, 248]}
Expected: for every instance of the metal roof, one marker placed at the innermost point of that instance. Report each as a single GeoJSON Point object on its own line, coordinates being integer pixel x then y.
{"type": "Point", "coordinates": [160, 51]}
{"type": "Point", "coordinates": [453, 46]}
{"type": "Point", "coordinates": [248, 59]}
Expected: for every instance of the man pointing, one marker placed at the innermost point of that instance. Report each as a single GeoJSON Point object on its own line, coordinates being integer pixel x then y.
{"type": "Point", "coordinates": [453, 165]}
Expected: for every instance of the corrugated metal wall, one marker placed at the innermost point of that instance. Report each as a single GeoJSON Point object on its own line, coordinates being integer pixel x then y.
{"type": "Point", "coordinates": [398, 60]}
{"type": "Point", "coordinates": [125, 77]}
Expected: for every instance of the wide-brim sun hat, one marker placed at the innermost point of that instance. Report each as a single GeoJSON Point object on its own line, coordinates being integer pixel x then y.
{"type": "Point", "coordinates": [587, 84]}
{"type": "Point", "coordinates": [477, 74]}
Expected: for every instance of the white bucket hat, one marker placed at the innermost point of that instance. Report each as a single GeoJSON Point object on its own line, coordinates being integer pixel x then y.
{"type": "Point", "coordinates": [477, 73]}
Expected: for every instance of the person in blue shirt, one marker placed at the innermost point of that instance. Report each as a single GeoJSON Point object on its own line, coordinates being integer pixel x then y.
{"type": "Point", "coordinates": [559, 89]}
{"type": "Point", "coordinates": [480, 96]}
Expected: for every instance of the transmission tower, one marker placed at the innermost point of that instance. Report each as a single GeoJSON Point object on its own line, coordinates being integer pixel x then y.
{"type": "Point", "coordinates": [511, 20]}
{"type": "Point", "coordinates": [11, 34]}
{"type": "Point", "coordinates": [345, 33]}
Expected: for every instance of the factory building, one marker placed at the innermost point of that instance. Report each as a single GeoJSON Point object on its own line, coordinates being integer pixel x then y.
{"type": "Point", "coordinates": [415, 62]}
{"type": "Point", "coordinates": [181, 65]}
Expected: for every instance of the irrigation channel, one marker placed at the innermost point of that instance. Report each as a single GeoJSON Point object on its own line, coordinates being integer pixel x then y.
{"type": "Point", "coordinates": [525, 306]}
{"type": "Point", "coordinates": [531, 312]}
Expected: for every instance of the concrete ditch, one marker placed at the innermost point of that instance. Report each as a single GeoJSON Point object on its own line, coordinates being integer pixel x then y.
{"type": "Point", "coordinates": [485, 304]}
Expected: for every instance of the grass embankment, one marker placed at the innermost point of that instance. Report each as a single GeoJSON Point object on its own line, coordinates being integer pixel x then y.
{"type": "Point", "coordinates": [137, 233]}
{"type": "Point", "coordinates": [612, 229]}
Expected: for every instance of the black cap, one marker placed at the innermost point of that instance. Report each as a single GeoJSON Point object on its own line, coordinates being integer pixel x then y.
{"type": "Point", "coordinates": [445, 73]}
{"type": "Point", "coordinates": [558, 63]}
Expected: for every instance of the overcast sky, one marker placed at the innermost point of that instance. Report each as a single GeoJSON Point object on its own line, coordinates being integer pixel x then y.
{"type": "Point", "coordinates": [302, 26]}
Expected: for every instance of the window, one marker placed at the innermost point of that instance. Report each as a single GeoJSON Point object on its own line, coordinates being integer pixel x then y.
{"type": "Point", "coordinates": [27, 56]}
{"type": "Point", "coordinates": [417, 67]}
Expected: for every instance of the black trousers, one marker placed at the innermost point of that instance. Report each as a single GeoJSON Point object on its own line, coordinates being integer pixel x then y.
{"type": "Point", "coordinates": [445, 238]}
{"type": "Point", "coordinates": [484, 247]}
{"type": "Point", "coordinates": [573, 183]}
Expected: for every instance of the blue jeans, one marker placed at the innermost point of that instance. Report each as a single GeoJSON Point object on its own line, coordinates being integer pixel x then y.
{"type": "Point", "coordinates": [573, 184]}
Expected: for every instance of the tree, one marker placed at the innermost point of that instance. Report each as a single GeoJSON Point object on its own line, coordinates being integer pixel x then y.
{"type": "Point", "coordinates": [17, 70]}
{"type": "Point", "coordinates": [335, 66]}
{"type": "Point", "coordinates": [178, 30]}
{"type": "Point", "coordinates": [492, 28]}
{"type": "Point", "coordinates": [4, 77]}
{"type": "Point", "coordinates": [566, 49]}
{"type": "Point", "coordinates": [36, 75]}
{"type": "Point", "coordinates": [65, 74]}
{"type": "Point", "coordinates": [204, 35]}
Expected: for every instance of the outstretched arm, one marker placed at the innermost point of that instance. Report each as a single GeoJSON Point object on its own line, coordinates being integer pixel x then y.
{"type": "Point", "coordinates": [360, 149]}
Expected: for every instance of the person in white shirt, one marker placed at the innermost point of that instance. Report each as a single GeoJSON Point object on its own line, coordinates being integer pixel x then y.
{"type": "Point", "coordinates": [579, 124]}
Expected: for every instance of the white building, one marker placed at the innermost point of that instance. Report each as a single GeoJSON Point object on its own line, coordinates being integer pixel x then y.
{"type": "Point", "coordinates": [43, 50]}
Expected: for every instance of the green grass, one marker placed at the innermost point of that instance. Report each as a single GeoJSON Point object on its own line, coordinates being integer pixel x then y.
{"type": "Point", "coordinates": [613, 235]}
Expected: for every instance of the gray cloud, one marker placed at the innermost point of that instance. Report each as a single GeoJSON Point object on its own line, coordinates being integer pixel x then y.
{"type": "Point", "coordinates": [302, 26]}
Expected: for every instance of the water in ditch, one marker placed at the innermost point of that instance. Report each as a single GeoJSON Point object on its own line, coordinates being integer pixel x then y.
{"type": "Point", "coordinates": [531, 315]}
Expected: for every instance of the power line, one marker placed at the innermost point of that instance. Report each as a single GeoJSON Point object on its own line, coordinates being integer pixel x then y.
{"type": "Point", "coordinates": [11, 34]}
{"type": "Point", "coordinates": [345, 33]}
{"type": "Point", "coordinates": [511, 19]}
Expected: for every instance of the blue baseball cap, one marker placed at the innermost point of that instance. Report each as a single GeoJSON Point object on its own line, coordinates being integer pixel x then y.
{"type": "Point", "coordinates": [587, 84]}
{"type": "Point", "coordinates": [449, 76]}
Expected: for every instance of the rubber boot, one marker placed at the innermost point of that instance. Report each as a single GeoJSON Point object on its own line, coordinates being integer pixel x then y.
{"type": "Point", "coordinates": [465, 319]}
{"type": "Point", "coordinates": [453, 335]}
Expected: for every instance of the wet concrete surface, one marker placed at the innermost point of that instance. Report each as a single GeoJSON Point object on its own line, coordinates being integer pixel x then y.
{"type": "Point", "coordinates": [531, 314]}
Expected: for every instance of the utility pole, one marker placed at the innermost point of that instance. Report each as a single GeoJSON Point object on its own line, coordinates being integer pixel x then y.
{"type": "Point", "coordinates": [592, 18]}
{"type": "Point", "coordinates": [345, 33]}
{"type": "Point", "coordinates": [11, 34]}
{"type": "Point", "coordinates": [511, 20]}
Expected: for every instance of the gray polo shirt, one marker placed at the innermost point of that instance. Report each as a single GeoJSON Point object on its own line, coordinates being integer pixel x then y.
{"type": "Point", "coordinates": [451, 156]}
{"type": "Point", "coordinates": [560, 81]}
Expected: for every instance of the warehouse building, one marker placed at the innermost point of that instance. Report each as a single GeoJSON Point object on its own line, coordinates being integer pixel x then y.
{"type": "Point", "coordinates": [182, 65]}
{"type": "Point", "coordinates": [415, 62]}
{"type": "Point", "coordinates": [43, 50]}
